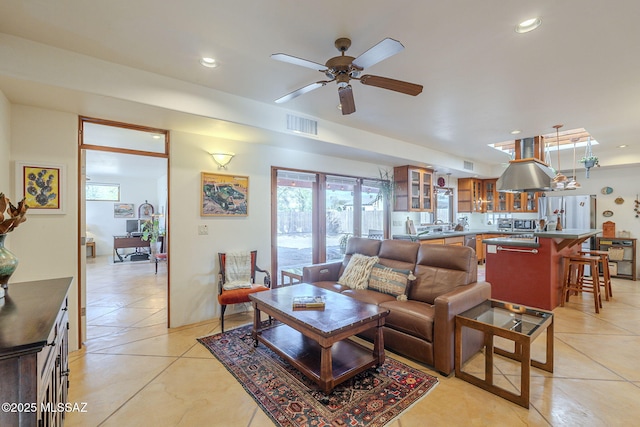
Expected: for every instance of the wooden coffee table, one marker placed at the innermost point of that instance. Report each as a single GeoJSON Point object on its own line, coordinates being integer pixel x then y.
{"type": "Point", "coordinates": [315, 341]}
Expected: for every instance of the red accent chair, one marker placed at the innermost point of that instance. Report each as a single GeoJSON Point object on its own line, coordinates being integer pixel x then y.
{"type": "Point", "coordinates": [240, 295]}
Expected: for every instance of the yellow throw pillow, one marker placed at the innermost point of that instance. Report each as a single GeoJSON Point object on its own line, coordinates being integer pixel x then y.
{"type": "Point", "coordinates": [356, 275]}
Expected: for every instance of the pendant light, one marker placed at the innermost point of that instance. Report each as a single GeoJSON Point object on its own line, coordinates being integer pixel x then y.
{"type": "Point", "coordinates": [573, 184]}
{"type": "Point", "coordinates": [560, 179]}
{"type": "Point", "coordinates": [448, 192]}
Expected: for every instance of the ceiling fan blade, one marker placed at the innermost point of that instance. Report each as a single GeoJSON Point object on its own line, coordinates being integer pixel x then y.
{"type": "Point", "coordinates": [347, 104]}
{"type": "Point", "coordinates": [298, 61]}
{"type": "Point", "coordinates": [391, 84]}
{"type": "Point", "coordinates": [301, 91]}
{"type": "Point", "coordinates": [386, 48]}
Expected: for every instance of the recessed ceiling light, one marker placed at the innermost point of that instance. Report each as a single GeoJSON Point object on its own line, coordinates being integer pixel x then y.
{"type": "Point", "coordinates": [209, 62]}
{"type": "Point", "coordinates": [622, 146]}
{"type": "Point", "coordinates": [528, 25]}
{"type": "Point", "coordinates": [515, 132]}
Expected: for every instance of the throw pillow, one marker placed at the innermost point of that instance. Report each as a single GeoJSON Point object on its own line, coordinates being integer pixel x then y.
{"type": "Point", "coordinates": [390, 281]}
{"type": "Point", "coordinates": [357, 272]}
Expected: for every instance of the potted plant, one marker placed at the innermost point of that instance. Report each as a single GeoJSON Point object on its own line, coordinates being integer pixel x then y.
{"type": "Point", "coordinates": [151, 233]}
{"type": "Point", "coordinates": [10, 217]}
{"type": "Point", "coordinates": [589, 161]}
{"type": "Point", "coordinates": [343, 242]}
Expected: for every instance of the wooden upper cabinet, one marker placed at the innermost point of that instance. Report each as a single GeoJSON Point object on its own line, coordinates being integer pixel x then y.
{"type": "Point", "coordinates": [503, 202]}
{"type": "Point", "coordinates": [489, 195]}
{"type": "Point", "coordinates": [524, 202]}
{"type": "Point", "coordinates": [470, 194]}
{"type": "Point", "coordinates": [482, 195]}
{"type": "Point", "coordinates": [414, 189]}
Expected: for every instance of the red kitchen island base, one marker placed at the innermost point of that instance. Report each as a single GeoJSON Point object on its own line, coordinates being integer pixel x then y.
{"type": "Point", "coordinates": [530, 273]}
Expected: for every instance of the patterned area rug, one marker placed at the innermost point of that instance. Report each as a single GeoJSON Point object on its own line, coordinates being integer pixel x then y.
{"type": "Point", "coordinates": [372, 398]}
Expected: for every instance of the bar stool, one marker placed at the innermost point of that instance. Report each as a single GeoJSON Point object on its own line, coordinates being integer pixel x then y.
{"type": "Point", "coordinates": [604, 268]}
{"type": "Point", "coordinates": [573, 280]}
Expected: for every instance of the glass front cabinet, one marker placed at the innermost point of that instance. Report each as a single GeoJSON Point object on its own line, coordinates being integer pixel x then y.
{"type": "Point", "coordinates": [414, 189]}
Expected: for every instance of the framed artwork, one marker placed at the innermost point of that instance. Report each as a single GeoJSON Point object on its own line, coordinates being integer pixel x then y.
{"type": "Point", "coordinates": [223, 195]}
{"type": "Point", "coordinates": [123, 210]}
{"type": "Point", "coordinates": [145, 210]}
{"type": "Point", "coordinates": [42, 187]}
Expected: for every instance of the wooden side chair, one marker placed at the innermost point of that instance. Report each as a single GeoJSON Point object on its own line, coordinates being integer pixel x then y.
{"type": "Point", "coordinates": [237, 279]}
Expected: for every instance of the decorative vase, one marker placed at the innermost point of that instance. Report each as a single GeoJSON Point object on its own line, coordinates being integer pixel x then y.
{"type": "Point", "coordinates": [8, 264]}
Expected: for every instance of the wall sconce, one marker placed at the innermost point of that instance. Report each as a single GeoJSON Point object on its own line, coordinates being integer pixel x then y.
{"type": "Point", "coordinates": [222, 159]}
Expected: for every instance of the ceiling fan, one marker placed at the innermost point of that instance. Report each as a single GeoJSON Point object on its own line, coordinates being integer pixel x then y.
{"type": "Point", "coordinates": [341, 69]}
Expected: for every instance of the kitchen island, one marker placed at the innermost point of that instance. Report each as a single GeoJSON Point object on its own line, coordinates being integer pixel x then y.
{"type": "Point", "coordinates": [529, 271]}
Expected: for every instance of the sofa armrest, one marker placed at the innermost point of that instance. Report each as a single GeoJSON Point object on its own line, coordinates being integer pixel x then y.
{"type": "Point", "coordinates": [326, 272]}
{"type": "Point", "coordinates": [446, 307]}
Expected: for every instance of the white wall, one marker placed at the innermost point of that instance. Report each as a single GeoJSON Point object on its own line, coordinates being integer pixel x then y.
{"type": "Point", "coordinates": [193, 257]}
{"type": "Point", "coordinates": [102, 225]}
{"type": "Point", "coordinates": [47, 245]}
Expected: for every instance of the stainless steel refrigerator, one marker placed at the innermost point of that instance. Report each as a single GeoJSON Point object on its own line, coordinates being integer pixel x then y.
{"type": "Point", "coordinates": [573, 211]}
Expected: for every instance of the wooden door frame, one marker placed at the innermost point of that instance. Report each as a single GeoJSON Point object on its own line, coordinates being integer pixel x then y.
{"type": "Point", "coordinates": [82, 206]}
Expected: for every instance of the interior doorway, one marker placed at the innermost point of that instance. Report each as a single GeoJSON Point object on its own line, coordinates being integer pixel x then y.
{"type": "Point", "coordinates": [124, 181]}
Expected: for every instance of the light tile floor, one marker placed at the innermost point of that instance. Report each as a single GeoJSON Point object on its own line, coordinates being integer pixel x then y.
{"type": "Point", "coordinates": [134, 371]}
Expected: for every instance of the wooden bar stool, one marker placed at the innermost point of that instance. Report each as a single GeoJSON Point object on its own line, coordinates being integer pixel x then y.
{"type": "Point", "coordinates": [573, 280]}
{"type": "Point", "coordinates": [604, 268]}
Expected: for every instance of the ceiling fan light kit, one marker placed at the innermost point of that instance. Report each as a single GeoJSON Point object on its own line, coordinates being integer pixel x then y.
{"type": "Point", "coordinates": [342, 69]}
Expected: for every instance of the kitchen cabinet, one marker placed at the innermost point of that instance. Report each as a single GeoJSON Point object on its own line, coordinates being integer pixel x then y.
{"type": "Point", "coordinates": [524, 202]}
{"type": "Point", "coordinates": [455, 241]}
{"type": "Point", "coordinates": [480, 248]}
{"type": "Point", "coordinates": [432, 242]}
{"type": "Point", "coordinates": [414, 189]}
{"type": "Point", "coordinates": [470, 195]}
{"type": "Point", "coordinates": [489, 195]}
{"type": "Point", "coordinates": [504, 202]}
{"type": "Point", "coordinates": [622, 256]}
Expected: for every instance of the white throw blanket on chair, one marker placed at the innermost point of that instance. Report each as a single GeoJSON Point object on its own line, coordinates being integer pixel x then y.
{"type": "Point", "coordinates": [237, 271]}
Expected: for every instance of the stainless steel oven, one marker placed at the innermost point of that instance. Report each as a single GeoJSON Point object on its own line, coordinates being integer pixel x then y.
{"type": "Point", "coordinates": [505, 224]}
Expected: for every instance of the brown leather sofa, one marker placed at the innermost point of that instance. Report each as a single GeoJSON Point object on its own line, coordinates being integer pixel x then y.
{"type": "Point", "coordinates": [422, 327]}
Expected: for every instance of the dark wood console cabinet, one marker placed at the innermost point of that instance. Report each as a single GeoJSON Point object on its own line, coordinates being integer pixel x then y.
{"type": "Point", "coordinates": [34, 348]}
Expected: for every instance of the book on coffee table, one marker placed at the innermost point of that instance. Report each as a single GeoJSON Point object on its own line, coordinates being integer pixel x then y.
{"type": "Point", "coordinates": [316, 302]}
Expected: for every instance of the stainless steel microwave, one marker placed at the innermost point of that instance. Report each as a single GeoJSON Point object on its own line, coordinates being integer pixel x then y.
{"type": "Point", "coordinates": [524, 224]}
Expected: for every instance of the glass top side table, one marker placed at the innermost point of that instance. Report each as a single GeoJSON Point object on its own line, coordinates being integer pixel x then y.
{"type": "Point", "coordinates": [516, 323]}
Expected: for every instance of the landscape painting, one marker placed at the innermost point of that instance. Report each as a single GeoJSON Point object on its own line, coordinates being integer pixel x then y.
{"type": "Point", "coordinates": [224, 195]}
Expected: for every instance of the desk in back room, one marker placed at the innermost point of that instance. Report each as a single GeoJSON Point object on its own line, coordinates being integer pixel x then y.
{"type": "Point", "coordinates": [122, 242]}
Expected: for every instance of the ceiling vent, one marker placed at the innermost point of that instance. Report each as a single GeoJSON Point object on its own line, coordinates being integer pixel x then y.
{"type": "Point", "coordinates": [468, 165]}
{"type": "Point", "coordinates": [301, 125]}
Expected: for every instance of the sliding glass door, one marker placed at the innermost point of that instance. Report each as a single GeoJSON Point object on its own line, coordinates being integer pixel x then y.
{"type": "Point", "coordinates": [296, 192]}
{"type": "Point", "coordinates": [314, 214]}
{"type": "Point", "coordinates": [340, 214]}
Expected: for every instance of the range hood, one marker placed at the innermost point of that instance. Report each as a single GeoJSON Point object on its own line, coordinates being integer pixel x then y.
{"type": "Point", "coordinates": [526, 175]}
{"type": "Point", "coordinates": [526, 172]}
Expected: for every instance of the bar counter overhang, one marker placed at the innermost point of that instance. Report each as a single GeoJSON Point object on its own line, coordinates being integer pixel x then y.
{"type": "Point", "coordinates": [529, 271]}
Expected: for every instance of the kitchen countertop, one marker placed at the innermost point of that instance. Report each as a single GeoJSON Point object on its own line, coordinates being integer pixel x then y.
{"type": "Point", "coordinates": [567, 237]}
{"type": "Point", "coordinates": [443, 234]}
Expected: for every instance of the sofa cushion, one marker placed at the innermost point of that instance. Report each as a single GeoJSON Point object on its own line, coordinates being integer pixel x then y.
{"type": "Point", "coordinates": [359, 245]}
{"type": "Point", "coordinates": [440, 269]}
{"type": "Point", "coordinates": [356, 275]}
{"type": "Point", "coordinates": [389, 280]}
{"type": "Point", "coordinates": [368, 296]}
{"type": "Point", "coordinates": [331, 286]}
{"type": "Point", "coordinates": [403, 251]}
{"type": "Point", "coordinates": [411, 317]}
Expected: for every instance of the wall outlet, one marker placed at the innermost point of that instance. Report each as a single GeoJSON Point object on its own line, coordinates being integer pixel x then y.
{"type": "Point", "coordinates": [203, 230]}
